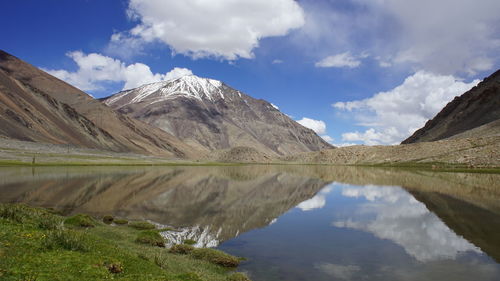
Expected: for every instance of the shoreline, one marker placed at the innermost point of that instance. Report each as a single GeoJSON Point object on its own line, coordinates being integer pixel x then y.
{"type": "Point", "coordinates": [41, 244]}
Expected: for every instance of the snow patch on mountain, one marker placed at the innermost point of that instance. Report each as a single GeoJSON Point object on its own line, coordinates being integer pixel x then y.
{"type": "Point", "coordinates": [190, 86]}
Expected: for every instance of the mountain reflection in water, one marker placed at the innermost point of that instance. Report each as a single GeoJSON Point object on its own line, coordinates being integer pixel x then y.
{"type": "Point", "coordinates": [296, 222]}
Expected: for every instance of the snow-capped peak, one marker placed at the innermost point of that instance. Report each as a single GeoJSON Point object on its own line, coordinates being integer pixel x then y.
{"type": "Point", "coordinates": [190, 86]}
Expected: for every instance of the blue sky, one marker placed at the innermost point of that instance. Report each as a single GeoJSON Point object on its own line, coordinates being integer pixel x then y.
{"type": "Point", "coordinates": [360, 72]}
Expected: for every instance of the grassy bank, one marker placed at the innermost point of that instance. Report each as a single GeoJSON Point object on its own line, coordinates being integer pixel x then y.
{"type": "Point", "coordinates": [38, 244]}
{"type": "Point", "coordinates": [435, 166]}
{"type": "Point", "coordinates": [439, 167]}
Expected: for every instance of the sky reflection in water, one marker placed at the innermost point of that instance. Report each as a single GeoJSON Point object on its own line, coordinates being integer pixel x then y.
{"type": "Point", "coordinates": [348, 232]}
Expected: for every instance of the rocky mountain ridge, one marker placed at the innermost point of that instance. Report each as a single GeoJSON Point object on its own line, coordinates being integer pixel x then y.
{"type": "Point", "coordinates": [475, 108]}
{"type": "Point", "coordinates": [209, 114]}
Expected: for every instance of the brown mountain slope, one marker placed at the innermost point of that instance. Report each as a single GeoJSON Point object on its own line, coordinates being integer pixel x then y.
{"type": "Point", "coordinates": [209, 113]}
{"type": "Point", "coordinates": [479, 106]}
{"type": "Point", "coordinates": [483, 152]}
{"type": "Point", "coordinates": [27, 114]}
{"type": "Point", "coordinates": [39, 107]}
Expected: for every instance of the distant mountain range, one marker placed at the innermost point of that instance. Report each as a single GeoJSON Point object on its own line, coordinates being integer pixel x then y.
{"type": "Point", "coordinates": [198, 118]}
{"type": "Point", "coordinates": [209, 114]}
{"type": "Point", "coordinates": [184, 118]}
{"type": "Point", "coordinates": [476, 113]}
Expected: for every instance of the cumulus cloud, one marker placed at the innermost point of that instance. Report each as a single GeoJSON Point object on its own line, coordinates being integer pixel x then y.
{"type": "Point", "coordinates": [177, 72]}
{"type": "Point", "coordinates": [327, 138]}
{"type": "Point", "coordinates": [225, 29]}
{"type": "Point", "coordinates": [340, 60]}
{"type": "Point", "coordinates": [94, 70]}
{"type": "Point", "coordinates": [392, 116]}
{"type": "Point", "coordinates": [318, 126]}
{"type": "Point", "coordinates": [445, 37]}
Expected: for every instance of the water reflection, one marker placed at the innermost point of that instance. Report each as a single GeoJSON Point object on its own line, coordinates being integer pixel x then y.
{"type": "Point", "coordinates": [296, 222]}
{"type": "Point", "coordinates": [394, 214]}
{"type": "Point", "coordinates": [208, 204]}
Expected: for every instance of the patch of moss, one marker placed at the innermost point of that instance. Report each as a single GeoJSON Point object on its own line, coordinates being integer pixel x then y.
{"type": "Point", "coordinates": [108, 219]}
{"type": "Point", "coordinates": [80, 220]}
{"type": "Point", "coordinates": [216, 257]}
{"type": "Point", "coordinates": [120, 221]}
{"type": "Point", "coordinates": [142, 225]}
{"type": "Point", "coordinates": [181, 249]}
{"type": "Point", "coordinates": [150, 237]}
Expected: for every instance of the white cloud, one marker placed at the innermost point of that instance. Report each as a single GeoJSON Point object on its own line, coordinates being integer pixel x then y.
{"type": "Point", "coordinates": [344, 144]}
{"type": "Point", "coordinates": [327, 138]}
{"type": "Point", "coordinates": [318, 126]}
{"type": "Point", "coordinates": [445, 37]}
{"type": "Point", "coordinates": [176, 73]}
{"type": "Point", "coordinates": [394, 115]}
{"type": "Point", "coordinates": [125, 46]}
{"type": "Point", "coordinates": [94, 70]}
{"type": "Point", "coordinates": [340, 60]}
{"type": "Point", "coordinates": [372, 137]}
{"type": "Point", "coordinates": [225, 29]}
{"type": "Point", "coordinates": [277, 61]}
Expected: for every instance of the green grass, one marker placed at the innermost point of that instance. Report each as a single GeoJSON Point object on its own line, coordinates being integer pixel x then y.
{"type": "Point", "coordinates": [80, 220]}
{"type": "Point", "coordinates": [181, 249]}
{"type": "Point", "coordinates": [216, 257]}
{"type": "Point", "coordinates": [238, 276]}
{"type": "Point", "coordinates": [108, 219]}
{"type": "Point", "coordinates": [438, 167]}
{"type": "Point", "coordinates": [66, 239]}
{"type": "Point", "coordinates": [142, 225]}
{"type": "Point", "coordinates": [34, 250]}
{"type": "Point", "coordinates": [120, 221]}
{"type": "Point", "coordinates": [150, 237]}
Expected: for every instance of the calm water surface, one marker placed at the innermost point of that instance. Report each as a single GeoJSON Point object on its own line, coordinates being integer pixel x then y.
{"type": "Point", "coordinates": [296, 222]}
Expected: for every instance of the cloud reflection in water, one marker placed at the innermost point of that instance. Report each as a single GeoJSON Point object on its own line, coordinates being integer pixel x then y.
{"type": "Point", "coordinates": [394, 214]}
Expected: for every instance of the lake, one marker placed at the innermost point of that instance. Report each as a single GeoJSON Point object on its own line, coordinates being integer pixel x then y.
{"type": "Point", "coordinates": [296, 222]}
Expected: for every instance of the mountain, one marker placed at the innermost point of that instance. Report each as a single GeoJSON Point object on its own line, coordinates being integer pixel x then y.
{"type": "Point", "coordinates": [208, 113]}
{"type": "Point", "coordinates": [478, 107]}
{"type": "Point", "coordinates": [464, 152]}
{"type": "Point", "coordinates": [37, 107]}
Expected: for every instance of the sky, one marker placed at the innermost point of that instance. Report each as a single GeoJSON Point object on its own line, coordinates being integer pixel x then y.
{"type": "Point", "coordinates": [355, 71]}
